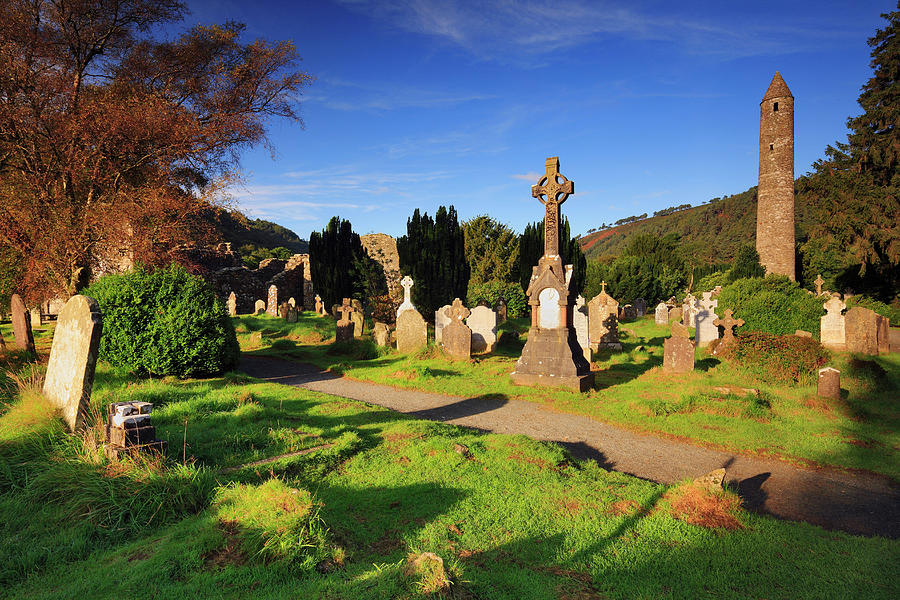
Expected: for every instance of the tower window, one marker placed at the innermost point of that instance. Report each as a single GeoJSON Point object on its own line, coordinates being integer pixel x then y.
{"type": "Point", "coordinates": [775, 107]}
{"type": "Point", "coordinates": [771, 146]}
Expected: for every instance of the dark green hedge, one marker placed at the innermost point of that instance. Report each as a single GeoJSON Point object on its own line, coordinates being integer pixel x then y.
{"type": "Point", "coordinates": [774, 305]}
{"type": "Point", "coordinates": [164, 322]}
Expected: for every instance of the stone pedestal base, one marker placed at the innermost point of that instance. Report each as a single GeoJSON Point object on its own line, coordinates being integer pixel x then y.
{"type": "Point", "coordinates": [552, 358]}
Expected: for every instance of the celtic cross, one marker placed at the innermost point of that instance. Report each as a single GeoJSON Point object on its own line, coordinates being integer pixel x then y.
{"type": "Point", "coordinates": [819, 281]}
{"type": "Point", "coordinates": [728, 323]}
{"type": "Point", "coordinates": [458, 312]}
{"type": "Point", "coordinates": [556, 188]}
{"type": "Point", "coordinates": [346, 310]}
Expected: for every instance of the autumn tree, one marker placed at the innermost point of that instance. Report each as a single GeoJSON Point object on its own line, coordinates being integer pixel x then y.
{"type": "Point", "coordinates": [113, 140]}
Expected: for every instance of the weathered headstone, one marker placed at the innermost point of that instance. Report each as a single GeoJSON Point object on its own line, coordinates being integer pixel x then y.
{"type": "Point", "coordinates": [411, 332]}
{"type": "Point", "coordinates": [283, 309]}
{"type": "Point", "coordinates": [689, 311]}
{"type": "Point", "coordinates": [630, 311]}
{"type": "Point", "coordinates": [728, 324]}
{"type": "Point", "coordinates": [344, 328]}
{"type": "Point", "coordinates": [832, 325]}
{"type": "Point", "coordinates": [640, 306]}
{"type": "Point", "coordinates": [457, 337]}
{"type": "Point", "coordinates": [678, 355]}
{"type": "Point", "coordinates": [441, 320]}
{"type": "Point", "coordinates": [603, 322]}
{"type": "Point", "coordinates": [21, 324]}
{"type": "Point", "coordinates": [580, 324]}
{"type": "Point", "coordinates": [272, 305]}
{"type": "Point", "coordinates": [37, 320]}
{"type": "Point", "coordinates": [501, 311]}
{"type": "Point", "coordinates": [319, 307]}
{"type": "Point", "coordinates": [483, 323]}
{"type": "Point", "coordinates": [359, 320]}
{"type": "Point", "coordinates": [292, 314]}
{"type": "Point", "coordinates": [382, 333]}
{"type": "Point", "coordinates": [259, 307]}
{"type": "Point", "coordinates": [256, 339]}
{"type": "Point", "coordinates": [829, 383]}
{"type": "Point", "coordinates": [861, 330]}
{"type": "Point", "coordinates": [231, 304]}
{"type": "Point", "coordinates": [680, 330]}
{"type": "Point", "coordinates": [73, 357]}
{"type": "Point", "coordinates": [662, 314]}
{"type": "Point", "coordinates": [407, 304]}
{"type": "Point", "coordinates": [883, 334]}
{"type": "Point", "coordinates": [551, 355]}
{"type": "Point", "coordinates": [292, 302]}
{"type": "Point", "coordinates": [675, 315]}
{"type": "Point", "coordinates": [706, 331]}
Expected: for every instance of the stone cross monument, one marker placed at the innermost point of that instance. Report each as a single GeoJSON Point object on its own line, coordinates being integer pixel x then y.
{"type": "Point", "coordinates": [552, 356]}
{"type": "Point", "coordinates": [819, 281]}
{"type": "Point", "coordinates": [407, 284]}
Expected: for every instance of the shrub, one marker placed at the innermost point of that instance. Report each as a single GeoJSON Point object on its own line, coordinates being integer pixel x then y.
{"type": "Point", "coordinates": [773, 305]}
{"type": "Point", "coordinates": [777, 358]}
{"type": "Point", "coordinates": [891, 311]}
{"type": "Point", "coordinates": [516, 303]}
{"type": "Point", "coordinates": [165, 322]}
{"type": "Point", "coordinates": [708, 282]}
{"type": "Point", "coordinates": [746, 264]}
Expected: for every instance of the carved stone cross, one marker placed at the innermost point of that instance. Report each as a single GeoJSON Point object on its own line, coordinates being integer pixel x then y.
{"type": "Point", "coordinates": [729, 322]}
{"type": "Point", "coordinates": [819, 281]}
{"type": "Point", "coordinates": [602, 287]}
{"type": "Point", "coordinates": [556, 188]}
{"type": "Point", "coordinates": [708, 303]}
{"type": "Point", "coordinates": [833, 306]}
{"type": "Point", "coordinates": [458, 312]}
{"type": "Point", "coordinates": [346, 310]}
{"type": "Point", "coordinates": [407, 284]}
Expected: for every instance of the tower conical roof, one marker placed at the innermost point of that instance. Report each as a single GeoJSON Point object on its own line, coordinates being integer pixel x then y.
{"type": "Point", "coordinates": [777, 89]}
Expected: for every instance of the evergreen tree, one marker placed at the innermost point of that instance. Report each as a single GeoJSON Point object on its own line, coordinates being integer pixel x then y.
{"type": "Point", "coordinates": [492, 250]}
{"type": "Point", "coordinates": [531, 249]}
{"type": "Point", "coordinates": [746, 264]}
{"type": "Point", "coordinates": [433, 253]}
{"type": "Point", "coordinates": [340, 267]}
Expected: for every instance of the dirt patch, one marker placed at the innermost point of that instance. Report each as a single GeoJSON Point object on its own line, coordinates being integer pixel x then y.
{"type": "Point", "coordinates": [569, 505]}
{"type": "Point", "coordinates": [230, 554]}
{"type": "Point", "coordinates": [699, 506]}
{"type": "Point", "coordinates": [404, 375]}
{"type": "Point", "coordinates": [623, 508]}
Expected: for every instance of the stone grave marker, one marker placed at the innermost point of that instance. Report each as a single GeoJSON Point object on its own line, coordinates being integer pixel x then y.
{"type": "Point", "coordinates": [2, 342]}
{"type": "Point", "coordinates": [457, 337]}
{"type": "Point", "coordinates": [272, 305]}
{"type": "Point", "coordinates": [382, 333]}
{"type": "Point", "coordinates": [336, 311]}
{"type": "Point", "coordinates": [292, 302]}
{"type": "Point", "coordinates": [483, 323]}
{"type": "Point", "coordinates": [819, 281]}
{"type": "Point", "coordinates": [259, 308]}
{"type": "Point", "coordinates": [883, 334]}
{"type": "Point", "coordinates": [640, 306]}
{"type": "Point", "coordinates": [662, 314]}
{"type": "Point", "coordinates": [358, 318]}
{"type": "Point", "coordinates": [501, 311]}
{"type": "Point", "coordinates": [678, 355]}
{"type": "Point", "coordinates": [319, 307]}
{"type": "Point", "coordinates": [344, 330]}
{"type": "Point", "coordinates": [580, 323]}
{"type": "Point", "coordinates": [706, 330]}
{"type": "Point", "coordinates": [680, 330]}
{"type": "Point", "coordinates": [21, 324]}
{"type": "Point", "coordinates": [407, 304]}
{"type": "Point", "coordinates": [282, 310]}
{"type": "Point", "coordinates": [231, 304]}
{"type": "Point", "coordinates": [829, 383]}
{"type": "Point", "coordinates": [728, 324]}
{"type": "Point", "coordinates": [603, 322]}
{"type": "Point", "coordinates": [37, 320]}
{"type": "Point", "coordinates": [804, 334]}
{"type": "Point", "coordinates": [441, 320]}
{"type": "Point", "coordinates": [861, 330]}
{"type": "Point", "coordinates": [630, 311]}
{"type": "Point", "coordinates": [292, 314]}
{"type": "Point", "coordinates": [411, 332]}
{"type": "Point", "coordinates": [73, 358]}
{"type": "Point", "coordinates": [675, 315]}
{"type": "Point", "coordinates": [689, 311]}
{"type": "Point", "coordinates": [832, 325]}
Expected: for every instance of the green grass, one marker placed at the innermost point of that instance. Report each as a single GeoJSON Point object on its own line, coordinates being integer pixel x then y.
{"type": "Point", "coordinates": [861, 431]}
{"type": "Point", "coordinates": [356, 490]}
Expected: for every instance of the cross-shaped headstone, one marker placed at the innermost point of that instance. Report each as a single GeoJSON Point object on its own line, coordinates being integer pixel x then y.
{"type": "Point", "coordinates": [556, 188]}
{"type": "Point", "coordinates": [346, 310]}
{"type": "Point", "coordinates": [708, 303]}
{"type": "Point", "coordinates": [729, 322]}
{"type": "Point", "coordinates": [819, 281]}
{"type": "Point", "coordinates": [602, 287]}
{"type": "Point", "coordinates": [833, 306]}
{"type": "Point", "coordinates": [407, 284]}
{"type": "Point", "coordinates": [458, 312]}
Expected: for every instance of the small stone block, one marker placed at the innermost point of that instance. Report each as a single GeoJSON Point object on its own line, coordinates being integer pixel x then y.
{"type": "Point", "coordinates": [829, 384]}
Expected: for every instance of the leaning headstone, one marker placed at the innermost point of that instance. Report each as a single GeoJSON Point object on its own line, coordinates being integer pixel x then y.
{"type": "Point", "coordinates": [832, 325]}
{"type": "Point", "coordinates": [36, 318]}
{"type": "Point", "coordinates": [382, 333]}
{"type": "Point", "coordinates": [441, 320]}
{"type": "Point", "coordinates": [272, 305]}
{"type": "Point", "coordinates": [501, 311]}
{"type": "Point", "coordinates": [678, 355]}
{"type": "Point", "coordinates": [73, 357]}
{"type": "Point", "coordinates": [344, 329]}
{"type": "Point", "coordinates": [580, 323]}
{"type": "Point", "coordinates": [829, 384]}
{"type": "Point", "coordinates": [640, 306]}
{"type": "Point", "coordinates": [231, 303]}
{"type": "Point", "coordinates": [706, 330]}
{"type": "Point", "coordinates": [256, 339]}
{"type": "Point", "coordinates": [411, 332]}
{"type": "Point", "coordinates": [483, 323]}
{"type": "Point", "coordinates": [728, 324]}
{"type": "Point", "coordinates": [407, 304]}
{"type": "Point", "coordinates": [21, 324]}
{"type": "Point", "coordinates": [862, 330]}
{"type": "Point", "coordinates": [457, 337]}
{"type": "Point", "coordinates": [662, 314]}
{"type": "Point", "coordinates": [680, 330]}
{"type": "Point", "coordinates": [259, 308]}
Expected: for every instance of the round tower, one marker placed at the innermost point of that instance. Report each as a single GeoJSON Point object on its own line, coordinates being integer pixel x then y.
{"type": "Point", "coordinates": [775, 207]}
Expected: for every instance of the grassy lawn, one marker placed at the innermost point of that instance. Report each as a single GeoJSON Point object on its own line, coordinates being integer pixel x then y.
{"type": "Point", "coordinates": [861, 431]}
{"type": "Point", "coordinates": [348, 491]}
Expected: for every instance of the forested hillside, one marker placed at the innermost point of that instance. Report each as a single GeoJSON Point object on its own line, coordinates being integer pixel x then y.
{"type": "Point", "coordinates": [236, 228]}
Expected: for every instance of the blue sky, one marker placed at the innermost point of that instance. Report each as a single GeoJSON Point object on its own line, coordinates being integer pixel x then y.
{"type": "Point", "coordinates": [422, 103]}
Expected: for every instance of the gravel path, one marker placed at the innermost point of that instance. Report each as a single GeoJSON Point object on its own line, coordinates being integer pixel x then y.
{"type": "Point", "coordinates": [859, 503]}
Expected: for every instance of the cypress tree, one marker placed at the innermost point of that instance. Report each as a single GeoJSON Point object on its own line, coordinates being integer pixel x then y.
{"type": "Point", "coordinates": [340, 267]}
{"type": "Point", "coordinates": [531, 249]}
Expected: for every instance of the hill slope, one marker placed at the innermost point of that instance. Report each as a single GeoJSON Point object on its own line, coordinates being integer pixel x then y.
{"type": "Point", "coordinates": [236, 228]}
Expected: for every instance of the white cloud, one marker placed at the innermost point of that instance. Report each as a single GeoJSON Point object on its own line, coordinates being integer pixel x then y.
{"type": "Point", "coordinates": [338, 94]}
{"type": "Point", "coordinates": [533, 177]}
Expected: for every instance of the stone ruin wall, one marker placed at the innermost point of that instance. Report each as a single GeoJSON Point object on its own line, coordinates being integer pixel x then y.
{"type": "Point", "coordinates": [382, 248]}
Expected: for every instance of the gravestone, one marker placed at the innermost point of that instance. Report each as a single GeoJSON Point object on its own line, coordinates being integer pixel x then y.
{"type": "Point", "coordinates": [832, 325]}
{"type": "Point", "coordinates": [883, 334]}
{"type": "Point", "coordinates": [259, 308]}
{"type": "Point", "coordinates": [483, 323]}
{"type": "Point", "coordinates": [457, 337]}
{"type": "Point", "coordinates": [603, 322]}
{"type": "Point", "coordinates": [630, 311]}
{"type": "Point", "coordinates": [706, 330]}
{"type": "Point", "coordinates": [73, 357]}
{"type": "Point", "coordinates": [36, 318]}
{"type": "Point", "coordinates": [411, 332]}
{"type": "Point", "coordinates": [2, 342]}
{"type": "Point", "coordinates": [21, 324]}
{"type": "Point", "coordinates": [803, 334]}
{"type": "Point", "coordinates": [728, 324]}
{"type": "Point", "coordinates": [283, 309]}
{"type": "Point", "coordinates": [358, 319]}
{"type": "Point", "coordinates": [231, 303]}
{"type": "Point", "coordinates": [829, 383]}
{"type": "Point", "coordinates": [272, 305]}
{"type": "Point", "coordinates": [580, 323]}
{"type": "Point", "coordinates": [678, 355]}
{"type": "Point", "coordinates": [292, 302]}
{"type": "Point", "coordinates": [382, 333]}
{"type": "Point", "coordinates": [344, 330]}
{"type": "Point", "coordinates": [357, 306]}
{"type": "Point", "coordinates": [680, 330]}
{"type": "Point", "coordinates": [640, 306]}
{"type": "Point", "coordinates": [292, 314]}
{"type": "Point", "coordinates": [501, 311]}
{"type": "Point", "coordinates": [256, 339]}
{"type": "Point", "coordinates": [689, 311]}
{"type": "Point", "coordinates": [819, 281]}
{"type": "Point", "coordinates": [662, 314]}
{"type": "Point", "coordinates": [407, 304]}
{"type": "Point", "coordinates": [861, 330]}
{"type": "Point", "coordinates": [551, 355]}
{"type": "Point", "coordinates": [675, 315]}
{"type": "Point", "coordinates": [441, 320]}
{"type": "Point", "coordinates": [319, 307]}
